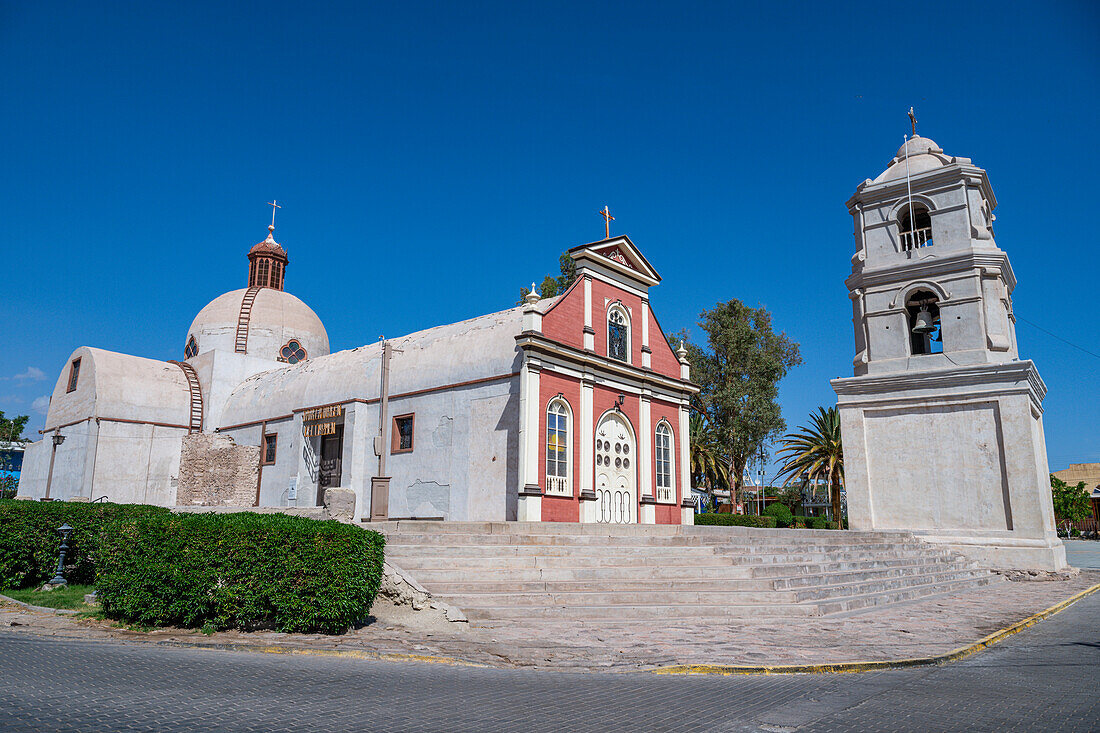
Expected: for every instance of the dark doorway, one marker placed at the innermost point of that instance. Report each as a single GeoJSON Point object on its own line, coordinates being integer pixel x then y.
{"type": "Point", "coordinates": [332, 451]}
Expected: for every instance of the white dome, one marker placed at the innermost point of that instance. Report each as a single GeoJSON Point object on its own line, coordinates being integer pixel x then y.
{"type": "Point", "coordinates": [276, 319]}
{"type": "Point", "coordinates": [924, 155]}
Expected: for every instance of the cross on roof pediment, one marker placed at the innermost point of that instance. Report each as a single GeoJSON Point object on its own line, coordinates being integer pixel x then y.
{"type": "Point", "coordinates": [620, 255]}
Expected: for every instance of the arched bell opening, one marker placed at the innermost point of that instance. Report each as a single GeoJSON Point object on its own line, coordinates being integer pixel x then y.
{"type": "Point", "coordinates": [925, 336]}
{"type": "Point", "coordinates": [915, 227]}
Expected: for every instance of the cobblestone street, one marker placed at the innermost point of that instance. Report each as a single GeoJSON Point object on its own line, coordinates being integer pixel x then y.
{"type": "Point", "coordinates": [1044, 678]}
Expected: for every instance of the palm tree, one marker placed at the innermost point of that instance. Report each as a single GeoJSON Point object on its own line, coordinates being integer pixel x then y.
{"type": "Point", "coordinates": [708, 465]}
{"type": "Point", "coordinates": [817, 451]}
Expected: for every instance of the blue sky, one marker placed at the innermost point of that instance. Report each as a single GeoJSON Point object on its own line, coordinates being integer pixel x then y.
{"type": "Point", "coordinates": [433, 158]}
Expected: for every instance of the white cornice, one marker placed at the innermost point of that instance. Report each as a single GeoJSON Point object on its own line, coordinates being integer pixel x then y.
{"type": "Point", "coordinates": [1013, 377]}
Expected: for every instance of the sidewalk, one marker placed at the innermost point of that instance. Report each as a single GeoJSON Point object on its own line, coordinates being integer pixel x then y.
{"type": "Point", "coordinates": [922, 628]}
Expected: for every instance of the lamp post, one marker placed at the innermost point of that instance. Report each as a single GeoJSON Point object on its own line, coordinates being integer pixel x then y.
{"type": "Point", "coordinates": [66, 532]}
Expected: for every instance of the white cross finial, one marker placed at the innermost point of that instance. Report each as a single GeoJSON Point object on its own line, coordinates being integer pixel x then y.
{"type": "Point", "coordinates": [273, 203]}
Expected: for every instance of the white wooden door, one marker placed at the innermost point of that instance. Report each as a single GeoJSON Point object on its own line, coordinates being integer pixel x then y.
{"type": "Point", "coordinates": [616, 469]}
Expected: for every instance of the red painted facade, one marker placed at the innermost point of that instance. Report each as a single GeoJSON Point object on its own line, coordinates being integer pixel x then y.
{"type": "Point", "coordinates": [564, 323]}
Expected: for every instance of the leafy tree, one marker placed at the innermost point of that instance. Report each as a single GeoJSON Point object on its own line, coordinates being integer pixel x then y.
{"type": "Point", "coordinates": [738, 372]}
{"type": "Point", "coordinates": [791, 497]}
{"type": "Point", "coordinates": [816, 451]}
{"type": "Point", "coordinates": [552, 286]}
{"type": "Point", "coordinates": [1071, 503]}
{"type": "Point", "coordinates": [709, 467]}
{"type": "Point", "coordinates": [11, 429]}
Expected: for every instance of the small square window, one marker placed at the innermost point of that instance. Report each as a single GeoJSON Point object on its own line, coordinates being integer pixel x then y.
{"type": "Point", "coordinates": [270, 442]}
{"type": "Point", "coordinates": [403, 433]}
{"type": "Point", "coordinates": [74, 375]}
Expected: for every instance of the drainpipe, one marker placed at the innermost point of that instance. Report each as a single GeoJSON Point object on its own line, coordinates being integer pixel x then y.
{"type": "Point", "coordinates": [58, 439]}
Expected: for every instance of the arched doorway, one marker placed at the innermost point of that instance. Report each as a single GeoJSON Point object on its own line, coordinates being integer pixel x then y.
{"type": "Point", "coordinates": [616, 469]}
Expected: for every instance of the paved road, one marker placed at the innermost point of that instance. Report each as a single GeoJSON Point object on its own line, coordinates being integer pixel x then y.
{"type": "Point", "coordinates": [1046, 678]}
{"type": "Point", "coordinates": [1083, 553]}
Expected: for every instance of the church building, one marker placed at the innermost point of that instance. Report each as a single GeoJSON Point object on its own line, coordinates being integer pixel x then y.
{"type": "Point", "coordinates": [572, 408]}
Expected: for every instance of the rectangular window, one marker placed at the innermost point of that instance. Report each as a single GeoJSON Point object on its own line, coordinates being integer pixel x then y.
{"type": "Point", "coordinates": [403, 433]}
{"type": "Point", "coordinates": [269, 449]}
{"type": "Point", "coordinates": [74, 374]}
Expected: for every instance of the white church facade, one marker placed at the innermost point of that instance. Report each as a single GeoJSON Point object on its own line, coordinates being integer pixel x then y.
{"type": "Point", "coordinates": [572, 408]}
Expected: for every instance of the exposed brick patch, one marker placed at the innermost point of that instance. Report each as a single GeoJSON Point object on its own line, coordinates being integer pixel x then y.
{"type": "Point", "coordinates": [215, 471]}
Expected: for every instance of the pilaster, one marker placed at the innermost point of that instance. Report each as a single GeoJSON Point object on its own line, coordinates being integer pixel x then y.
{"type": "Point", "coordinates": [645, 445]}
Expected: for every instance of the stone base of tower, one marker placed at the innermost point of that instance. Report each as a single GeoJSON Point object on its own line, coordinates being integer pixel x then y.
{"type": "Point", "coordinates": [956, 456]}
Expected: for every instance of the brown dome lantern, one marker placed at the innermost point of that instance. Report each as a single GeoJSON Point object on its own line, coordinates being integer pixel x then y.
{"type": "Point", "coordinates": [267, 262]}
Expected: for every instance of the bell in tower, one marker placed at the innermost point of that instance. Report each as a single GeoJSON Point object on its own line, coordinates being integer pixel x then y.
{"type": "Point", "coordinates": [936, 366]}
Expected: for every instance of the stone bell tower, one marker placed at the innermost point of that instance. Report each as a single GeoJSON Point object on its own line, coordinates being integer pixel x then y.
{"type": "Point", "coordinates": [942, 422]}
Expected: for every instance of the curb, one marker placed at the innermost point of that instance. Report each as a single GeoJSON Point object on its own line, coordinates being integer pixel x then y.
{"type": "Point", "coordinates": [849, 667]}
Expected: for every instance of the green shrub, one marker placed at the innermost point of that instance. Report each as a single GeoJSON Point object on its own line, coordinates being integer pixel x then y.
{"type": "Point", "coordinates": [782, 514]}
{"type": "Point", "coordinates": [831, 525]}
{"type": "Point", "coordinates": [735, 520]}
{"type": "Point", "coordinates": [29, 541]}
{"type": "Point", "coordinates": [816, 523]}
{"type": "Point", "coordinates": [241, 570]}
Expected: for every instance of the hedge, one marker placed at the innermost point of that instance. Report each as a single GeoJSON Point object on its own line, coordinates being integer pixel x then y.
{"type": "Point", "coordinates": [735, 520]}
{"type": "Point", "coordinates": [29, 541]}
{"type": "Point", "coordinates": [782, 514]}
{"type": "Point", "coordinates": [241, 570]}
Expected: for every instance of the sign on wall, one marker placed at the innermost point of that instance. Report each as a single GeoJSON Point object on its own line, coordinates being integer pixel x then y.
{"type": "Point", "coordinates": [321, 420]}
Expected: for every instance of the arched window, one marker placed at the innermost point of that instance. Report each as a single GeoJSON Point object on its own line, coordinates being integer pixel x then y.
{"type": "Point", "coordinates": [191, 349]}
{"type": "Point", "coordinates": [662, 444]}
{"type": "Point", "coordinates": [915, 228]}
{"type": "Point", "coordinates": [923, 311]}
{"type": "Point", "coordinates": [293, 352]}
{"type": "Point", "coordinates": [558, 452]}
{"type": "Point", "coordinates": [618, 333]}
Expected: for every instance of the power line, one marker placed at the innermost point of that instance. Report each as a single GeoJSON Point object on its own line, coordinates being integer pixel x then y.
{"type": "Point", "coordinates": [1054, 335]}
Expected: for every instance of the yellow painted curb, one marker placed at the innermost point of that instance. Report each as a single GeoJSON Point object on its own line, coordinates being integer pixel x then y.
{"type": "Point", "coordinates": [952, 656]}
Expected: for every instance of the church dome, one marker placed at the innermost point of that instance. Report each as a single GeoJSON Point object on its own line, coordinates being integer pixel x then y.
{"type": "Point", "coordinates": [275, 325]}
{"type": "Point", "coordinates": [923, 154]}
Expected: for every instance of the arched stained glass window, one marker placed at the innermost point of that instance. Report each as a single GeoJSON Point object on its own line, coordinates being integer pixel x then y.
{"type": "Point", "coordinates": [618, 333]}
{"type": "Point", "coordinates": [663, 454]}
{"type": "Point", "coordinates": [557, 448]}
{"type": "Point", "coordinates": [191, 349]}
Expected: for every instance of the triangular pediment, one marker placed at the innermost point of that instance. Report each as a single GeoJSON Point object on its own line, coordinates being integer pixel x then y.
{"type": "Point", "coordinates": [618, 254]}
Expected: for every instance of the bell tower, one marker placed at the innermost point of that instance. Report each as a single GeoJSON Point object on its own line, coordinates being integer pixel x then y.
{"type": "Point", "coordinates": [930, 288]}
{"type": "Point", "coordinates": [941, 422]}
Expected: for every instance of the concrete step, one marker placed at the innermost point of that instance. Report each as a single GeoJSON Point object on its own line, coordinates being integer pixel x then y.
{"type": "Point", "coordinates": [854, 603]}
{"type": "Point", "coordinates": [794, 540]}
{"type": "Point", "coordinates": [632, 614]}
{"type": "Point", "coordinates": [610, 530]}
{"type": "Point", "coordinates": [820, 569]}
{"type": "Point", "coordinates": [506, 563]}
{"type": "Point", "coordinates": [879, 585]}
{"type": "Point", "coordinates": [642, 579]}
{"type": "Point", "coordinates": [430, 577]}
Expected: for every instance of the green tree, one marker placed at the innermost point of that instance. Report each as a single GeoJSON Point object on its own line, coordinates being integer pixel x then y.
{"type": "Point", "coordinates": [11, 429]}
{"type": "Point", "coordinates": [709, 467]}
{"type": "Point", "coordinates": [1071, 503]}
{"type": "Point", "coordinates": [551, 285]}
{"type": "Point", "coordinates": [738, 373]}
{"type": "Point", "coordinates": [816, 451]}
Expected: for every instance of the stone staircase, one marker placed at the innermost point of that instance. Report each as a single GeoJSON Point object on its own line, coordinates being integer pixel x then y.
{"type": "Point", "coordinates": [499, 571]}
